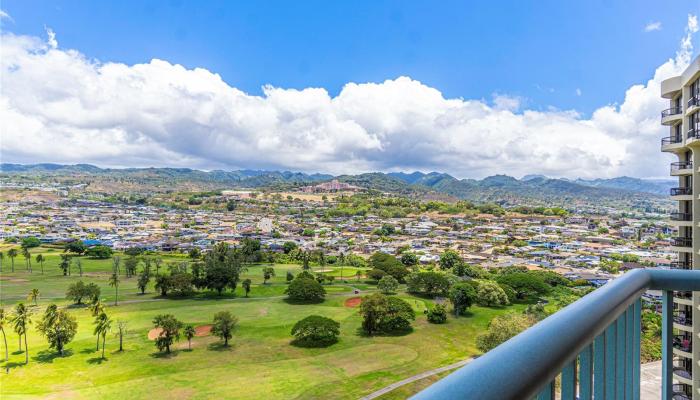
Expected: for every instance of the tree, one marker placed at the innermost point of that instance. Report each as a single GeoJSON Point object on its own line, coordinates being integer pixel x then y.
{"type": "Point", "coordinates": [114, 282]}
{"type": "Point", "coordinates": [195, 253]}
{"type": "Point", "coordinates": [79, 290]}
{"type": "Point", "coordinates": [358, 274]}
{"type": "Point", "coordinates": [121, 331]}
{"type": "Point", "coordinates": [525, 284]}
{"type": "Point", "coordinates": [3, 323]}
{"type": "Point", "coordinates": [12, 253]}
{"type": "Point", "coordinates": [144, 278]}
{"type": "Point", "coordinates": [224, 324]}
{"type": "Point", "coordinates": [437, 314]}
{"type": "Point", "coordinates": [382, 313]}
{"type": "Point", "coordinates": [462, 296]}
{"type": "Point", "coordinates": [103, 324]}
{"type": "Point", "coordinates": [189, 334]}
{"type": "Point", "coordinates": [222, 268]}
{"type": "Point", "coordinates": [287, 247]}
{"type": "Point", "coordinates": [316, 330]}
{"type": "Point", "coordinates": [163, 284]}
{"type": "Point", "coordinates": [502, 328]}
{"type": "Point", "coordinates": [409, 259]}
{"type": "Point", "coordinates": [304, 289]}
{"type": "Point", "coordinates": [388, 284]}
{"type": "Point", "coordinates": [449, 259]}
{"type": "Point", "coordinates": [30, 242]}
{"type": "Point", "coordinates": [389, 264]}
{"type": "Point", "coordinates": [96, 306]}
{"type": "Point", "coordinates": [169, 331]}
{"type": "Point", "coordinates": [20, 321]}
{"type": "Point", "coordinates": [100, 252]}
{"type": "Point", "coordinates": [40, 259]}
{"type": "Point", "coordinates": [490, 294]}
{"type": "Point", "coordinates": [130, 265]}
{"type": "Point", "coordinates": [65, 264]}
{"type": "Point", "coordinates": [34, 296]}
{"type": "Point", "coordinates": [58, 327]}
{"type": "Point", "coordinates": [268, 272]}
{"type": "Point", "coordinates": [76, 246]}
{"type": "Point", "coordinates": [430, 283]}
{"type": "Point", "coordinates": [290, 276]}
{"type": "Point", "coordinates": [27, 258]}
{"type": "Point", "coordinates": [246, 286]}
{"type": "Point", "coordinates": [2, 257]}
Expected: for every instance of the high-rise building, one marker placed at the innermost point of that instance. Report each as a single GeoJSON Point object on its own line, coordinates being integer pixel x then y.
{"type": "Point", "coordinates": [683, 121]}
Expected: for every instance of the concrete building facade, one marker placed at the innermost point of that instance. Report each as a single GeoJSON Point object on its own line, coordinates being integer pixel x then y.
{"type": "Point", "coordinates": [682, 118]}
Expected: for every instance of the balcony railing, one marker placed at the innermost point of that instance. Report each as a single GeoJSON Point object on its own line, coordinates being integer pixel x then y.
{"type": "Point", "coordinates": [681, 265]}
{"type": "Point", "coordinates": [682, 318]}
{"type": "Point", "coordinates": [683, 343]}
{"type": "Point", "coordinates": [693, 101]}
{"type": "Point", "coordinates": [684, 294]}
{"type": "Point", "coordinates": [693, 133]}
{"type": "Point", "coordinates": [671, 111]}
{"type": "Point", "coordinates": [681, 191]}
{"type": "Point", "coordinates": [671, 140]}
{"type": "Point", "coordinates": [682, 242]}
{"type": "Point", "coordinates": [679, 216]}
{"type": "Point", "coordinates": [593, 344]}
{"type": "Point", "coordinates": [681, 165]}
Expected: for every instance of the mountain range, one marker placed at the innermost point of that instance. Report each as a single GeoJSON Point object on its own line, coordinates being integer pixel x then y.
{"type": "Point", "coordinates": [498, 188]}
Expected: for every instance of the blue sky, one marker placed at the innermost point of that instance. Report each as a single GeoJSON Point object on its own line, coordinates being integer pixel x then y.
{"type": "Point", "coordinates": [543, 51]}
{"type": "Point", "coordinates": [564, 89]}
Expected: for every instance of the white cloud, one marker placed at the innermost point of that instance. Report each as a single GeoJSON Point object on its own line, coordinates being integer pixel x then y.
{"type": "Point", "coordinates": [578, 91]}
{"type": "Point", "coordinates": [52, 42]}
{"type": "Point", "coordinates": [4, 15]}
{"type": "Point", "coordinates": [57, 105]}
{"type": "Point", "coordinates": [652, 26]}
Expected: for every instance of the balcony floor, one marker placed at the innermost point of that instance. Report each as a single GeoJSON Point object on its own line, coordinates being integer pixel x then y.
{"type": "Point", "coordinates": [651, 381]}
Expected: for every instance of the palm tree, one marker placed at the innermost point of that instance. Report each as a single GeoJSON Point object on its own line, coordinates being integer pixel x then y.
{"type": "Point", "coordinates": [96, 307]}
{"type": "Point", "coordinates": [103, 324]}
{"type": "Point", "coordinates": [1, 258]}
{"type": "Point", "coordinates": [20, 320]}
{"type": "Point", "coordinates": [40, 259]}
{"type": "Point", "coordinates": [79, 265]}
{"type": "Point", "coordinates": [12, 253]}
{"type": "Point", "coordinates": [3, 322]}
{"type": "Point", "coordinates": [33, 296]}
{"type": "Point", "coordinates": [189, 334]}
{"type": "Point", "coordinates": [114, 282]}
{"type": "Point", "coordinates": [27, 258]}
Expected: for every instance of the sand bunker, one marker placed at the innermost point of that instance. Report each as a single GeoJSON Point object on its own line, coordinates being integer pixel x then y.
{"type": "Point", "coordinates": [201, 330]}
{"type": "Point", "coordinates": [353, 302]}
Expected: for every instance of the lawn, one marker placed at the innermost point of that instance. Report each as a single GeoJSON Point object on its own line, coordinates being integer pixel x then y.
{"type": "Point", "coordinates": [260, 363]}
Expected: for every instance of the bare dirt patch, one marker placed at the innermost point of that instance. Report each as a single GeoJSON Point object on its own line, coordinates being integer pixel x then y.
{"type": "Point", "coordinates": [353, 302]}
{"type": "Point", "coordinates": [202, 330]}
{"type": "Point", "coordinates": [154, 333]}
{"type": "Point", "coordinates": [13, 280]}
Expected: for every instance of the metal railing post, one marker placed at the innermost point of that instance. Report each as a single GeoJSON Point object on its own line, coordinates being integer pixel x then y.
{"type": "Point", "coordinates": [667, 346]}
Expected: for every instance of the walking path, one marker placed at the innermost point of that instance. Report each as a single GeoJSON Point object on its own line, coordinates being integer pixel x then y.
{"type": "Point", "coordinates": [415, 378]}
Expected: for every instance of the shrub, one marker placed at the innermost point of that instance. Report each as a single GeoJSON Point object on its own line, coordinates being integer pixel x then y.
{"type": "Point", "coordinates": [304, 289]}
{"type": "Point", "coordinates": [490, 294]}
{"type": "Point", "coordinates": [316, 331]}
{"type": "Point", "coordinates": [437, 315]}
{"type": "Point", "coordinates": [100, 252]}
{"type": "Point", "coordinates": [388, 284]}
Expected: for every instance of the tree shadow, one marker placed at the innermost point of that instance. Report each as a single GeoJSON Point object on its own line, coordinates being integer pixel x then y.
{"type": "Point", "coordinates": [88, 350]}
{"type": "Point", "coordinates": [12, 365]}
{"type": "Point", "coordinates": [395, 333]}
{"type": "Point", "coordinates": [302, 302]}
{"type": "Point", "coordinates": [307, 344]}
{"type": "Point", "coordinates": [96, 360]}
{"type": "Point", "coordinates": [164, 355]}
{"type": "Point", "coordinates": [17, 352]}
{"type": "Point", "coordinates": [81, 305]}
{"type": "Point", "coordinates": [47, 357]}
{"type": "Point", "coordinates": [219, 346]}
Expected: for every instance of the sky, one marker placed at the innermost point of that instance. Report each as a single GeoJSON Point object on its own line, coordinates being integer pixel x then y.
{"type": "Point", "coordinates": [564, 89]}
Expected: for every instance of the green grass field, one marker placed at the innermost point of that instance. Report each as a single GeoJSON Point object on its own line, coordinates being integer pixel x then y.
{"type": "Point", "coordinates": [260, 363]}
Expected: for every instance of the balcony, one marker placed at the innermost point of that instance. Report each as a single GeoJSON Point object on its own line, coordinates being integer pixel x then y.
{"type": "Point", "coordinates": [682, 242]}
{"type": "Point", "coordinates": [681, 265]}
{"type": "Point", "coordinates": [693, 102]}
{"type": "Point", "coordinates": [671, 143]}
{"type": "Point", "coordinates": [593, 345]}
{"type": "Point", "coordinates": [679, 216]}
{"type": "Point", "coordinates": [682, 318]}
{"type": "Point", "coordinates": [682, 168]}
{"type": "Point", "coordinates": [692, 133]}
{"type": "Point", "coordinates": [671, 115]}
{"type": "Point", "coordinates": [683, 343]}
{"type": "Point", "coordinates": [681, 391]}
{"type": "Point", "coordinates": [682, 191]}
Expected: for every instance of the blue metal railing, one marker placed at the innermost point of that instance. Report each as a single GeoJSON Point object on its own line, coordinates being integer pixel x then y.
{"type": "Point", "coordinates": [593, 344]}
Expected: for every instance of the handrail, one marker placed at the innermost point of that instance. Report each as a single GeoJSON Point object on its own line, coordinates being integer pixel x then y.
{"type": "Point", "coordinates": [671, 140]}
{"type": "Point", "coordinates": [679, 216]}
{"type": "Point", "coordinates": [692, 133]}
{"type": "Point", "coordinates": [681, 265]}
{"type": "Point", "coordinates": [671, 111]}
{"type": "Point", "coordinates": [675, 166]}
{"type": "Point", "coordinates": [693, 101]}
{"type": "Point", "coordinates": [682, 241]}
{"type": "Point", "coordinates": [681, 191]}
{"type": "Point", "coordinates": [520, 367]}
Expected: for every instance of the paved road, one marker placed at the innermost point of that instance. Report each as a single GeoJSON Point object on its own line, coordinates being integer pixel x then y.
{"type": "Point", "coordinates": [415, 378]}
